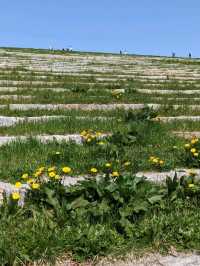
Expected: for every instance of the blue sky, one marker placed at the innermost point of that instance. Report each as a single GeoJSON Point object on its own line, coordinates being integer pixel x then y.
{"type": "Point", "coordinates": [138, 26]}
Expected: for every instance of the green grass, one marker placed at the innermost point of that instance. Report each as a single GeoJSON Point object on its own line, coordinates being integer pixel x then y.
{"type": "Point", "coordinates": [184, 125]}
{"type": "Point", "coordinates": [98, 97]}
{"type": "Point", "coordinates": [150, 140]}
{"type": "Point", "coordinates": [62, 126]}
{"type": "Point", "coordinates": [99, 218]}
{"type": "Point", "coordinates": [169, 110]}
{"type": "Point", "coordinates": [75, 122]}
{"type": "Point", "coordinates": [117, 113]}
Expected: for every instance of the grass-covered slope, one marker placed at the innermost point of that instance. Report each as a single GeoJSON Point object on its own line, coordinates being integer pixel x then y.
{"type": "Point", "coordinates": [59, 93]}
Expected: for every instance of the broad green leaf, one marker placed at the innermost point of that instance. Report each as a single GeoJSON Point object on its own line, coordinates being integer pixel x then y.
{"type": "Point", "coordinates": [79, 203]}
{"type": "Point", "coordinates": [155, 199]}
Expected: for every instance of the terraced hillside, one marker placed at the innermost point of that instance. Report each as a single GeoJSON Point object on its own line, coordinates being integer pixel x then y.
{"type": "Point", "coordinates": [35, 83]}
{"type": "Point", "coordinates": [73, 115]}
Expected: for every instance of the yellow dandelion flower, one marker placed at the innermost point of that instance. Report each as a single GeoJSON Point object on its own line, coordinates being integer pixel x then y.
{"type": "Point", "coordinates": [93, 170]}
{"type": "Point", "coordinates": [41, 169]}
{"type": "Point", "coordinates": [98, 134]}
{"type": "Point", "coordinates": [15, 196]}
{"type": "Point", "coordinates": [155, 160]}
{"type": "Point", "coordinates": [37, 174]}
{"type": "Point", "coordinates": [151, 158]}
{"type": "Point", "coordinates": [57, 177]}
{"type": "Point", "coordinates": [196, 154]}
{"type": "Point", "coordinates": [18, 184]}
{"type": "Point", "coordinates": [101, 143]}
{"type": "Point", "coordinates": [108, 165]}
{"type": "Point", "coordinates": [52, 174]}
{"type": "Point", "coordinates": [161, 162]}
{"type": "Point", "coordinates": [127, 163]}
{"type": "Point", "coordinates": [24, 176]}
{"type": "Point", "coordinates": [187, 145]}
{"type": "Point", "coordinates": [35, 186]}
{"type": "Point", "coordinates": [194, 140]}
{"type": "Point", "coordinates": [51, 169]}
{"type": "Point", "coordinates": [191, 185]}
{"type": "Point", "coordinates": [83, 133]}
{"type": "Point", "coordinates": [115, 174]}
{"type": "Point", "coordinates": [66, 170]}
{"type": "Point", "coordinates": [193, 150]}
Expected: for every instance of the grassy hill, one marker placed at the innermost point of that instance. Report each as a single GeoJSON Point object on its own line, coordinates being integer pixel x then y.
{"type": "Point", "coordinates": [81, 114]}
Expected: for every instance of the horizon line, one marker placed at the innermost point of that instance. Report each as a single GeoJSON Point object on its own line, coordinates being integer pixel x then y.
{"type": "Point", "coordinates": [124, 52]}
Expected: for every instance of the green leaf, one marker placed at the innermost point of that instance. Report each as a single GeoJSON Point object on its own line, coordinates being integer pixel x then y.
{"type": "Point", "coordinates": [111, 187]}
{"type": "Point", "coordinates": [79, 203]}
{"type": "Point", "coordinates": [51, 199]}
{"type": "Point", "coordinates": [117, 197]}
{"type": "Point", "coordinates": [143, 206]}
{"type": "Point", "coordinates": [155, 199]}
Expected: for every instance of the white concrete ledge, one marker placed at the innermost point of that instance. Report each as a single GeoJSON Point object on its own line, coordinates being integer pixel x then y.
{"type": "Point", "coordinates": [161, 91]}
{"type": "Point", "coordinates": [88, 107]}
{"type": "Point", "coordinates": [43, 138]}
{"type": "Point", "coordinates": [187, 134]}
{"type": "Point", "coordinates": [176, 118]}
{"type": "Point", "coordinates": [8, 121]}
{"type": "Point", "coordinates": [161, 176]}
{"type": "Point", "coordinates": [154, 259]}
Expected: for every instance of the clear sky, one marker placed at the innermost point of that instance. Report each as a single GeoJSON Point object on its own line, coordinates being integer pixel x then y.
{"type": "Point", "coordinates": [138, 26]}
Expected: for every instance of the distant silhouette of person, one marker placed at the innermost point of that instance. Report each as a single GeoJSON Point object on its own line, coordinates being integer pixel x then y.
{"type": "Point", "coordinates": [120, 52]}
{"type": "Point", "coordinates": [190, 55]}
{"type": "Point", "coordinates": [173, 54]}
